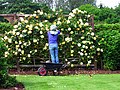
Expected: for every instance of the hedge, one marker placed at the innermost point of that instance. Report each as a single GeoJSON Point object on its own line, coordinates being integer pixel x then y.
{"type": "Point", "coordinates": [5, 27]}
{"type": "Point", "coordinates": [111, 44]}
{"type": "Point", "coordinates": [5, 80]}
{"type": "Point", "coordinates": [100, 27]}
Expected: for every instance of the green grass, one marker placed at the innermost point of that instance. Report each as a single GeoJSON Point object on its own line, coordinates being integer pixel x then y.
{"type": "Point", "coordinates": [72, 82]}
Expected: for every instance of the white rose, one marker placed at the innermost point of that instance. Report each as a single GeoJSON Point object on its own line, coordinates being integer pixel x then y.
{"type": "Point", "coordinates": [42, 36]}
{"type": "Point", "coordinates": [17, 33]}
{"type": "Point", "coordinates": [68, 21]}
{"type": "Point", "coordinates": [41, 13]}
{"type": "Point", "coordinates": [72, 15]}
{"type": "Point", "coordinates": [101, 50]}
{"type": "Point", "coordinates": [79, 44]}
{"type": "Point", "coordinates": [72, 51]}
{"type": "Point", "coordinates": [82, 50]}
{"type": "Point", "coordinates": [5, 37]}
{"type": "Point", "coordinates": [17, 46]}
{"type": "Point", "coordinates": [93, 46]}
{"type": "Point", "coordinates": [6, 52]}
{"type": "Point", "coordinates": [19, 50]}
{"type": "Point", "coordinates": [25, 44]}
{"type": "Point", "coordinates": [84, 42]}
{"type": "Point", "coordinates": [24, 31]}
{"type": "Point", "coordinates": [92, 34]}
{"type": "Point", "coordinates": [69, 17]}
{"type": "Point", "coordinates": [34, 15]}
{"type": "Point", "coordinates": [83, 46]}
{"type": "Point", "coordinates": [26, 21]}
{"type": "Point", "coordinates": [24, 58]}
{"type": "Point", "coordinates": [20, 42]}
{"type": "Point", "coordinates": [38, 11]}
{"type": "Point", "coordinates": [82, 37]}
{"type": "Point", "coordinates": [28, 55]}
{"type": "Point", "coordinates": [35, 50]}
{"type": "Point", "coordinates": [71, 32]}
{"type": "Point", "coordinates": [10, 40]}
{"type": "Point", "coordinates": [21, 35]}
{"type": "Point", "coordinates": [34, 40]}
{"type": "Point", "coordinates": [58, 22]}
{"type": "Point", "coordinates": [21, 19]}
{"type": "Point", "coordinates": [86, 47]}
{"type": "Point", "coordinates": [89, 61]}
{"type": "Point", "coordinates": [81, 63]}
{"type": "Point", "coordinates": [71, 54]}
{"type": "Point", "coordinates": [29, 32]}
{"type": "Point", "coordinates": [16, 53]}
{"type": "Point", "coordinates": [68, 39]}
{"type": "Point", "coordinates": [86, 54]}
{"type": "Point", "coordinates": [41, 32]}
{"type": "Point", "coordinates": [81, 53]}
{"type": "Point", "coordinates": [41, 25]}
{"type": "Point", "coordinates": [69, 29]}
{"type": "Point", "coordinates": [98, 49]}
{"type": "Point", "coordinates": [36, 27]}
{"type": "Point", "coordinates": [15, 26]}
{"type": "Point", "coordinates": [86, 24]}
{"type": "Point", "coordinates": [94, 38]}
{"type": "Point", "coordinates": [88, 16]}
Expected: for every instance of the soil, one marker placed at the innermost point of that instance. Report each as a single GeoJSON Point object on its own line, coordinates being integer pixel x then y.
{"type": "Point", "coordinates": [18, 86]}
{"type": "Point", "coordinates": [63, 72]}
{"type": "Point", "coordinates": [66, 72]}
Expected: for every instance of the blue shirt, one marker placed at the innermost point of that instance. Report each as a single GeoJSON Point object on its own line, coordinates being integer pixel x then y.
{"type": "Point", "coordinates": [53, 38]}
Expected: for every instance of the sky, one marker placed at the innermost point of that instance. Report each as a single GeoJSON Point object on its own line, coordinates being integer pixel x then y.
{"type": "Point", "coordinates": [108, 3]}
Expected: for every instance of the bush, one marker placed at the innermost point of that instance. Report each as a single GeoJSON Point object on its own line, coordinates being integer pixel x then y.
{"type": "Point", "coordinates": [111, 45]}
{"type": "Point", "coordinates": [5, 27]}
{"type": "Point", "coordinates": [103, 27]}
{"type": "Point", "coordinates": [5, 79]}
{"type": "Point", "coordinates": [28, 39]}
{"type": "Point", "coordinates": [102, 15]}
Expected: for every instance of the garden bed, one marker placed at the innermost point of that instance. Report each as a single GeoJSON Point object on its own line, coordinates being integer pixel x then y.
{"type": "Point", "coordinates": [18, 86]}
{"type": "Point", "coordinates": [66, 72]}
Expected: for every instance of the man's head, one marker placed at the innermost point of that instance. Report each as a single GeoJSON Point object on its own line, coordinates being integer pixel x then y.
{"type": "Point", "coordinates": [53, 27]}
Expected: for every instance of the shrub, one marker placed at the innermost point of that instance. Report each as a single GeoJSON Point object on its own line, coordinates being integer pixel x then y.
{"type": "Point", "coordinates": [111, 45]}
{"type": "Point", "coordinates": [103, 27]}
{"type": "Point", "coordinates": [5, 79]}
{"type": "Point", "coordinates": [5, 27]}
{"type": "Point", "coordinates": [28, 39]}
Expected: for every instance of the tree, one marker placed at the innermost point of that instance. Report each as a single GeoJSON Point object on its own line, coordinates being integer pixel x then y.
{"type": "Point", "coordinates": [20, 6]}
{"type": "Point", "coordinates": [65, 4]}
{"type": "Point", "coordinates": [102, 15]}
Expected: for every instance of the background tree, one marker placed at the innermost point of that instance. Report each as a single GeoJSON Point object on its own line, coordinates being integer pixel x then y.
{"type": "Point", "coordinates": [102, 15]}
{"type": "Point", "coordinates": [20, 6]}
{"type": "Point", "coordinates": [65, 4]}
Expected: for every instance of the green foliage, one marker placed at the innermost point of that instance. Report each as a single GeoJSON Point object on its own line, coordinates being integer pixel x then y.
{"type": "Point", "coordinates": [5, 27]}
{"type": "Point", "coordinates": [111, 45]}
{"type": "Point", "coordinates": [102, 15]}
{"type": "Point", "coordinates": [5, 79]}
{"type": "Point", "coordinates": [92, 10]}
{"type": "Point", "coordinates": [103, 27]}
{"type": "Point", "coordinates": [21, 6]}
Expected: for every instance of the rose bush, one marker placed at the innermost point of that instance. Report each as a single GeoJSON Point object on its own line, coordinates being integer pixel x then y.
{"type": "Point", "coordinates": [77, 40]}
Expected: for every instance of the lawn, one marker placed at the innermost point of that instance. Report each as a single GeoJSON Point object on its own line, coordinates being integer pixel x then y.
{"type": "Point", "coordinates": [72, 82]}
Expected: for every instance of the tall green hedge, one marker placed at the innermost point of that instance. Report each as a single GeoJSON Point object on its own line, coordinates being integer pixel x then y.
{"type": "Point", "coordinates": [101, 27]}
{"type": "Point", "coordinates": [5, 80]}
{"type": "Point", "coordinates": [110, 33]}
